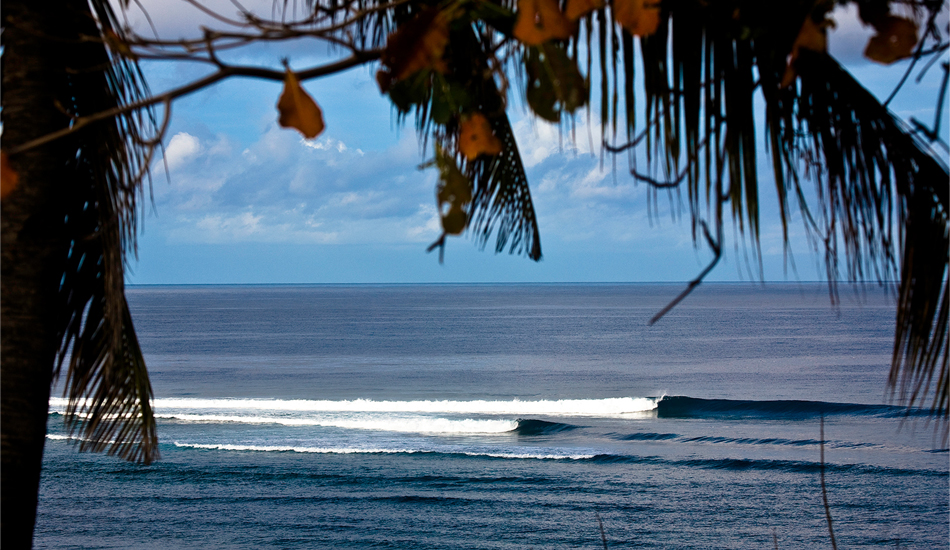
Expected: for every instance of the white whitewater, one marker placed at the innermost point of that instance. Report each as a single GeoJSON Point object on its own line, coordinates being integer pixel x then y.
{"type": "Point", "coordinates": [562, 407]}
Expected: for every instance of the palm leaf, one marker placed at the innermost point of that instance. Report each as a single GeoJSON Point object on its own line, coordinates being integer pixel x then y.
{"type": "Point", "coordinates": [877, 171]}
{"type": "Point", "coordinates": [701, 70]}
{"type": "Point", "coordinates": [502, 202]}
{"type": "Point", "coordinates": [106, 381]}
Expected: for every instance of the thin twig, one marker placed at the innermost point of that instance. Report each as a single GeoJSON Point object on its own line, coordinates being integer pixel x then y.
{"type": "Point", "coordinates": [440, 244]}
{"type": "Point", "coordinates": [660, 184]}
{"type": "Point", "coordinates": [226, 71]}
{"type": "Point", "coordinates": [213, 14]}
{"type": "Point", "coordinates": [603, 535]}
{"type": "Point", "coordinates": [269, 30]}
{"type": "Point", "coordinates": [824, 490]}
{"type": "Point", "coordinates": [717, 249]}
{"type": "Point", "coordinates": [913, 62]}
{"type": "Point", "coordinates": [154, 143]}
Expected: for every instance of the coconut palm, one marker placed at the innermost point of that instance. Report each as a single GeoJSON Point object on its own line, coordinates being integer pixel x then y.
{"type": "Point", "coordinates": [66, 229]}
{"type": "Point", "coordinates": [881, 211]}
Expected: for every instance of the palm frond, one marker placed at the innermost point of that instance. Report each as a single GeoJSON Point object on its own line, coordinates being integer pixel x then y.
{"type": "Point", "coordinates": [501, 198]}
{"type": "Point", "coordinates": [872, 179]}
{"type": "Point", "coordinates": [877, 171]}
{"type": "Point", "coordinates": [502, 202]}
{"type": "Point", "coordinates": [106, 381]}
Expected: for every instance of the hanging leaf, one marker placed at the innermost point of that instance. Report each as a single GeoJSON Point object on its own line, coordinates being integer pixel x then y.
{"type": "Point", "coordinates": [812, 37]}
{"type": "Point", "coordinates": [579, 8]}
{"type": "Point", "coordinates": [555, 83]}
{"type": "Point", "coordinates": [895, 39]}
{"type": "Point", "coordinates": [299, 110]}
{"type": "Point", "coordinates": [454, 222]}
{"type": "Point", "coordinates": [453, 192]}
{"type": "Point", "coordinates": [476, 137]}
{"type": "Point", "coordinates": [417, 45]}
{"type": "Point", "coordinates": [541, 20]}
{"type": "Point", "coordinates": [8, 176]}
{"type": "Point", "coordinates": [638, 17]}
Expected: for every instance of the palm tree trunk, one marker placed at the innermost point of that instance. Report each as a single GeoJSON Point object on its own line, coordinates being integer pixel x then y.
{"type": "Point", "coordinates": [33, 248]}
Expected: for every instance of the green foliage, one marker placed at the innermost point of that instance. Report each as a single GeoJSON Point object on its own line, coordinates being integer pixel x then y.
{"type": "Point", "coordinates": [555, 84]}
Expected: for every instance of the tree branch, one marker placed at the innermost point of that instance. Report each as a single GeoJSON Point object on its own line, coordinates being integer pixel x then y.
{"type": "Point", "coordinates": [717, 250]}
{"type": "Point", "coordinates": [224, 72]}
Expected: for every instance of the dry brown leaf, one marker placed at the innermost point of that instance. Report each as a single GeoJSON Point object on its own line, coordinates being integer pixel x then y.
{"type": "Point", "coordinates": [541, 20]}
{"type": "Point", "coordinates": [638, 17]}
{"type": "Point", "coordinates": [453, 192]}
{"type": "Point", "coordinates": [812, 36]}
{"type": "Point", "coordinates": [896, 39]}
{"type": "Point", "coordinates": [299, 110]}
{"type": "Point", "coordinates": [579, 8]}
{"type": "Point", "coordinates": [8, 176]}
{"type": "Point", "coordinates": [454, 222]}
{"type": "Point", "coordinates": [476, 137]}
{"type": "Point", "coordinates": [416, 45]}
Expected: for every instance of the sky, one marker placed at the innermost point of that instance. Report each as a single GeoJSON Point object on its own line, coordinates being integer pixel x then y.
{"type": "Point", "coordinates": [247, 202]}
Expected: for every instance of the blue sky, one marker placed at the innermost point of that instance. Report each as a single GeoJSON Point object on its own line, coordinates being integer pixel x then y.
{"type": "Point", "coordinates": [246, 201]}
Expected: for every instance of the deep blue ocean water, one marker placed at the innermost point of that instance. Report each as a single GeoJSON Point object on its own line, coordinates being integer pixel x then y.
{"type": "Point", "coordinates": [509, 416]}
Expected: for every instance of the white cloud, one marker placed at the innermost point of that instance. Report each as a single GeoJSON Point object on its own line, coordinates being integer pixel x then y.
{"type": "Point", "coordinates": [539, 140]}
{"type": "Point", "coordinates": [281, 189]}
{"type": "Point", "coordinates": [326, 144]}
{"type": "Point", "coordinates": [182, 148]}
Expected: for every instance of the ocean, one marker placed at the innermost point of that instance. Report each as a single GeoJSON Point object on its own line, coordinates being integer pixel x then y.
{"type": "Point", "coordinates": [509, 416]}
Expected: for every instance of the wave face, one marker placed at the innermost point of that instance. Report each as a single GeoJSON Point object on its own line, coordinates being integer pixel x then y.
{"type": "Point", "coordinates": [541, 427]}
{"type": "Point", "coordinates": [692, 407]}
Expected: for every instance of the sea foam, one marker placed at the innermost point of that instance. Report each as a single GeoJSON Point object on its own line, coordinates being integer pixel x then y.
{"type": "Point", "coordinates": [562, 407]}
{"type": "Point", "coordinates": [416, 424]}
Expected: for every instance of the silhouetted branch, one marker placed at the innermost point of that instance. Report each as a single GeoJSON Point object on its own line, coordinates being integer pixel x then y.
{"type": "Point", "coordinates": [440, 244]}
{"type": "Point", "coordinates": [824, 491]}
{"type": "Point", "coordinates": [661, 184]}
{"type": "Point", "coordinates": [224, 72]}
{"type": "Point", "coordinates": [717, 249]}
{"type": "Point", "coordinates": [918, 55]}
{"type": "Point", "coordinates": [603, 536]}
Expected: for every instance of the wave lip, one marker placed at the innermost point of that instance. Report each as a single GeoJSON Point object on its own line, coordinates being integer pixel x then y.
{"type": "Point", "coordinates": [614, 406]}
